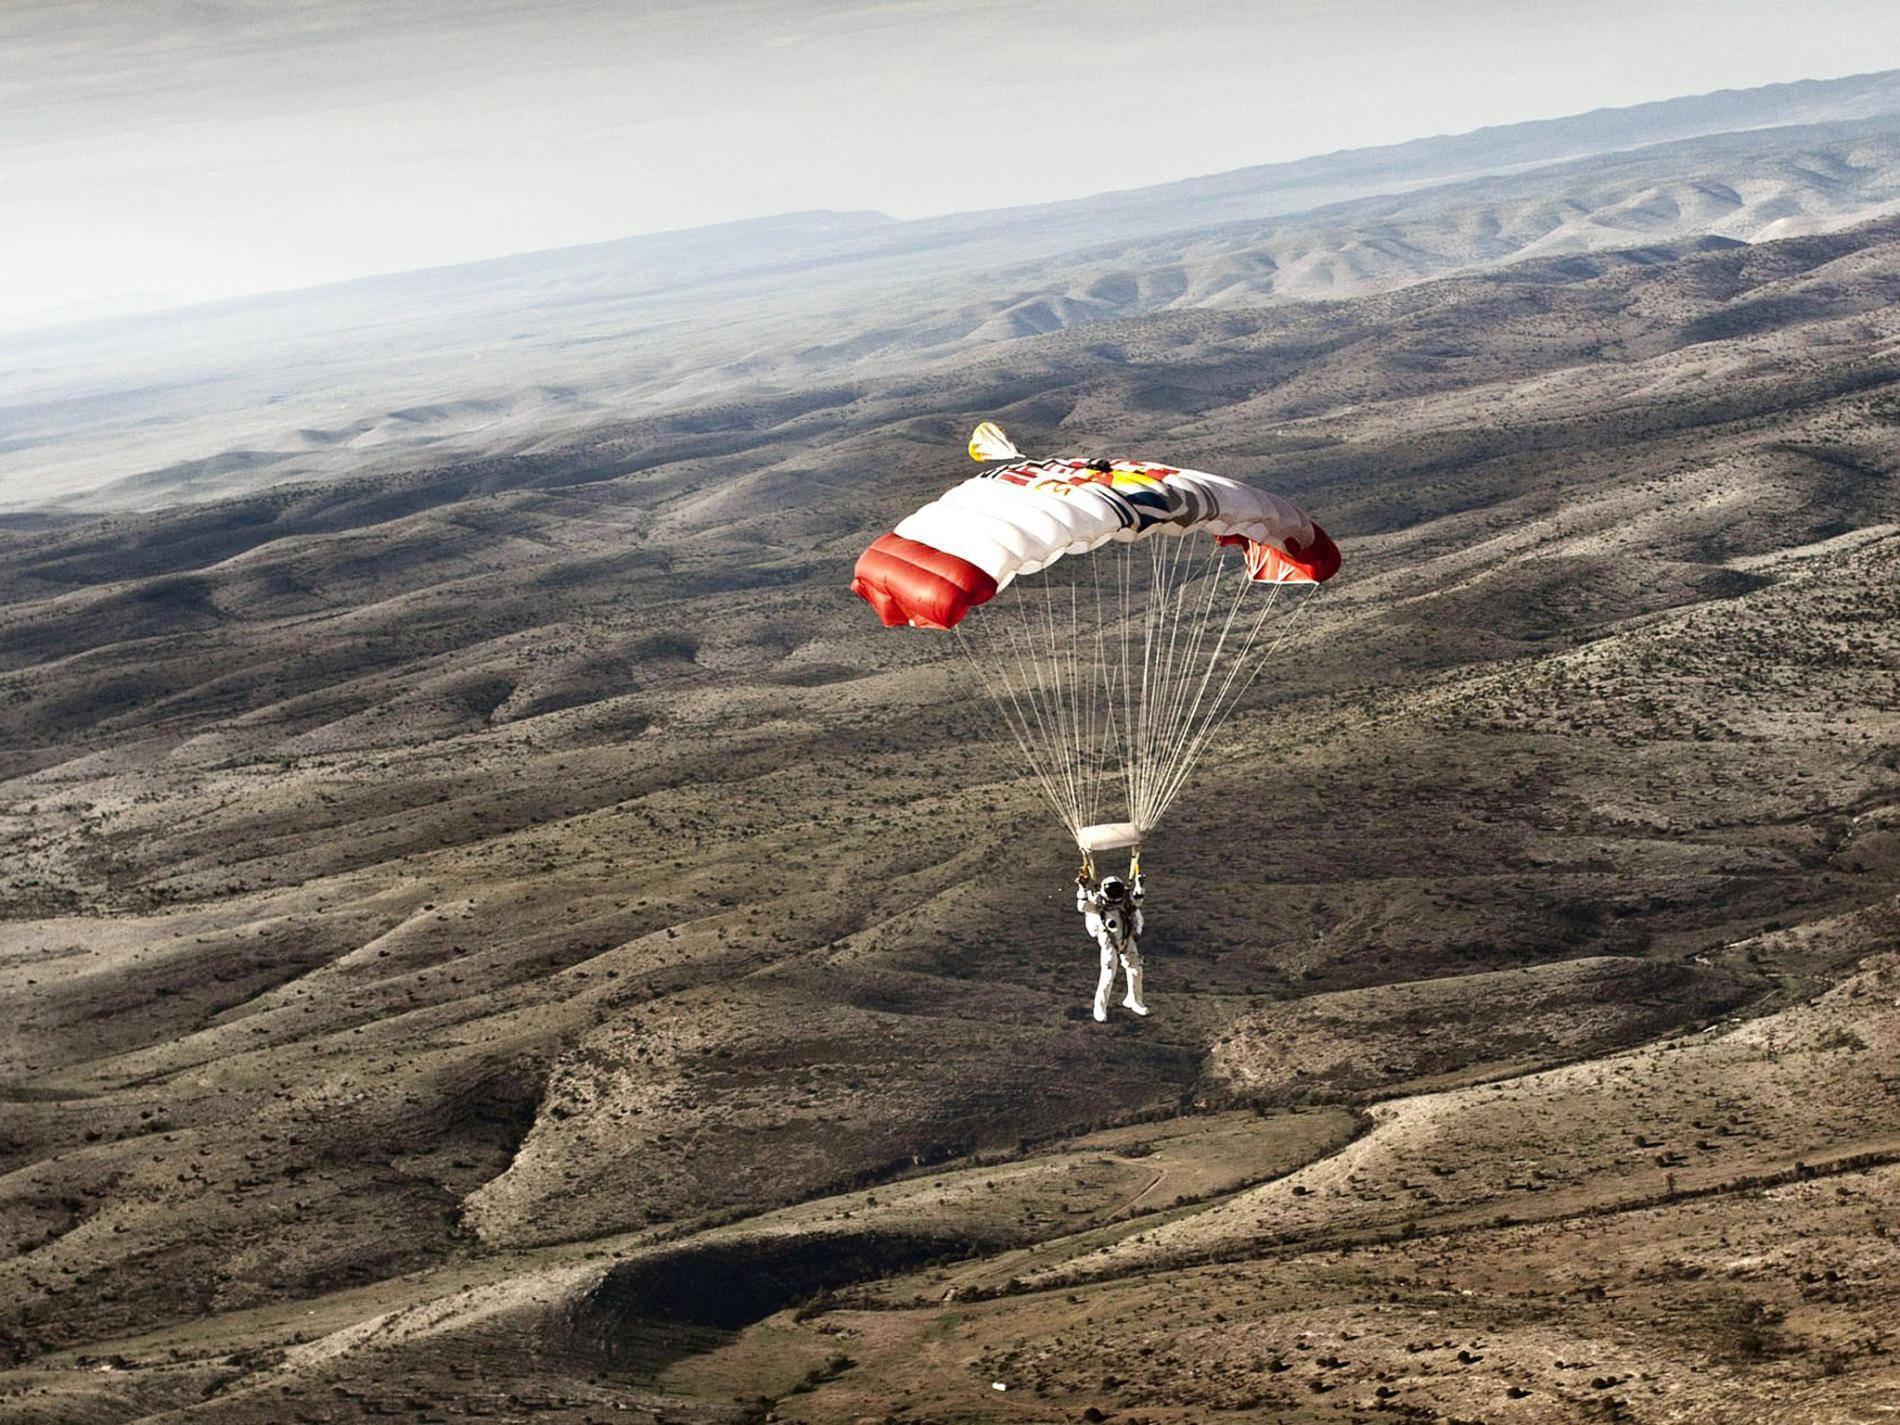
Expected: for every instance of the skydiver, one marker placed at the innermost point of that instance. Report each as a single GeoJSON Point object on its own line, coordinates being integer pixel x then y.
{"type": "Point", "coordinates": [1112, 913]}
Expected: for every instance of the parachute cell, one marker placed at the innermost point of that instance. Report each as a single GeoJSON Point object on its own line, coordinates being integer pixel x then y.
{"type": "Point", "coordinates": [913, 583]}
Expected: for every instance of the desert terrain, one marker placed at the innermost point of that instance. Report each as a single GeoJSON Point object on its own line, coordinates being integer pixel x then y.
{"type": "Point", "coordinates": [533, 353]}
{"type": "Point", "coordinates": [507, 935]}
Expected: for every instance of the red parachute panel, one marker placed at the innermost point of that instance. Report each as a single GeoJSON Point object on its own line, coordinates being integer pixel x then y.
{"type": "Point", "coordinates": [1312, 563]}
{"type": "Point", "coordinates": [915, 584]}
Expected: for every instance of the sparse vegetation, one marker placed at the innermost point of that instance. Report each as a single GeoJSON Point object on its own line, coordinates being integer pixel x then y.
{"type": "Point", "coordinates": [447, 911]}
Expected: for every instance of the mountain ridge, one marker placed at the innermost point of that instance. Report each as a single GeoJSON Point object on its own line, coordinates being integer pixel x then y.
{"type": "Point", "coordinates": [520, 351]}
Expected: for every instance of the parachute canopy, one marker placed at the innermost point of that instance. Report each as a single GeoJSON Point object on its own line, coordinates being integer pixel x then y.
{"type": "Point", "coordinates": [964, 547]}
{"type": "Point", "coordinates": [1113, 669]}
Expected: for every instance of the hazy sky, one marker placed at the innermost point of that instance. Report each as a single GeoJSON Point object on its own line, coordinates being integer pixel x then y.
{"type": "Point", "coordinates": [184, 149]}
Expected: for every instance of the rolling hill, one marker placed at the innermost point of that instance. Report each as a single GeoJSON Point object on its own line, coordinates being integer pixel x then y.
{"type": "Point", "coordinates": [521, 354]}
{"type": "Point", "coordinates": [512, 937]}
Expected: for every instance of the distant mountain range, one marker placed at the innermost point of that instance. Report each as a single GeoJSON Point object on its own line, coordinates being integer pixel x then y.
{"type": "Point", "coordinates": [512, 353]}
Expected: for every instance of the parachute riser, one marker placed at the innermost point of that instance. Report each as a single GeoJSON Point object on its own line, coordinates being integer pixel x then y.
{"type": "Point", "coordinates": [1087, 872]}
{"type": "Point", "coordinates": [1110, 836]}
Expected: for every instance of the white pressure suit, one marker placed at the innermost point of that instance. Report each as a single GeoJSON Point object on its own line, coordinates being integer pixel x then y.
{"type": "Point", "coordinates": [1116, 927]}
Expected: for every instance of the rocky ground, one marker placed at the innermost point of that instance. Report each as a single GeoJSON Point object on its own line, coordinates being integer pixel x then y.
{"type": "Point", "coordinates": [517, 940]}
